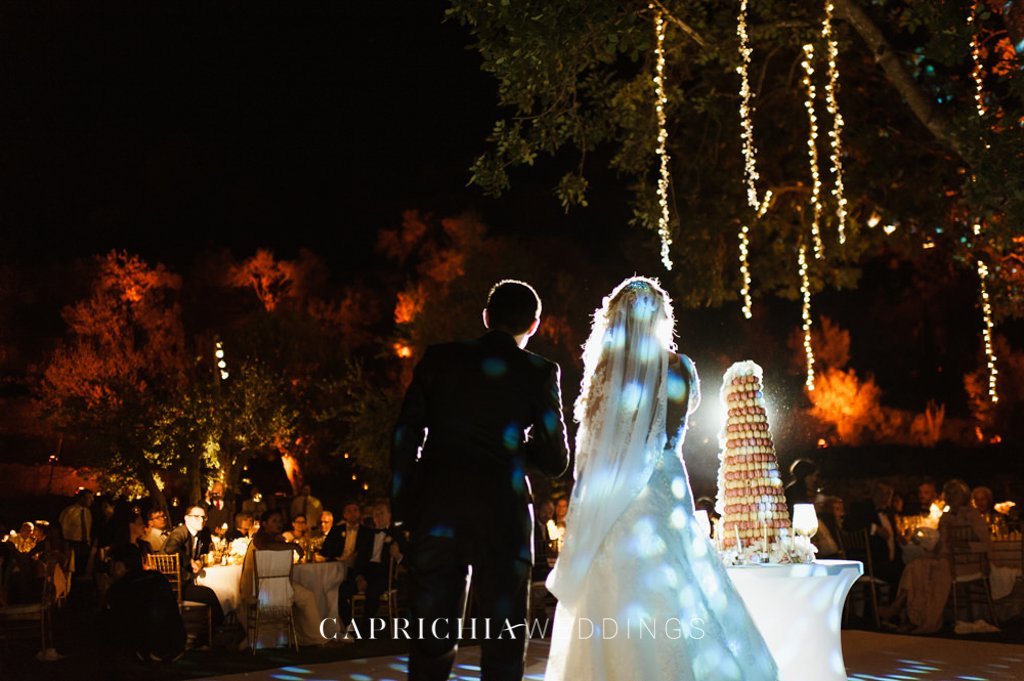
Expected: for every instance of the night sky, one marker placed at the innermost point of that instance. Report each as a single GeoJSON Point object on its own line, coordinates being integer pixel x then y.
{"type": "Point", "coordinates": [168, 129]}
{"type": "Point", "coordinates": [163, 128]}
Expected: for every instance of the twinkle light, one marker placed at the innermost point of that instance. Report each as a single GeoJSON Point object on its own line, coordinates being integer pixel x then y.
{"type": "Point", "coordinates": [986, 332]}
{"type": "Point", "coordinates": [745, 270]}
{"type": "Point", "coordinates": [976, 72]}
{"type": "Point", "coordinates": [805, 290]}
{"type": "Point", "coordinates": [746, 121]}
{"type": "Point", "coordinates": [835, 134]}
{"type": "Point", "coordinates": [812, 150]}
{"type": "Point", "coordinates": [661, 102]}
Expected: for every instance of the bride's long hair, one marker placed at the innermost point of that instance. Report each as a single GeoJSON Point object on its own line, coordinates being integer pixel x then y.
{"type": "Point", "coordinates": [621, 411]}
{"type": "Point", "coordinates": [635, 319]}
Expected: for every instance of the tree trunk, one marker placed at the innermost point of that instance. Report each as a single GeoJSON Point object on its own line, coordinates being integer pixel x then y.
{"type": "Point", "coordinates": [155, 493]}
{"type": "Point", "coordinates": [195, 477]}
{"type": "Point", "coordinates": [899, 76]}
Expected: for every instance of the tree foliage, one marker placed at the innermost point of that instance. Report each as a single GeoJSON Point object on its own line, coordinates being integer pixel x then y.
{"type": "Point", "coordinates": [574, 81]}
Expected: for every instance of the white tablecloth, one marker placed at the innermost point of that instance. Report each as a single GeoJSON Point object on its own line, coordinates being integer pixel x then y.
{"type": "Point", "coordinates": [798, 609]}
{"type": "Point", "coordinates": [323, 579]}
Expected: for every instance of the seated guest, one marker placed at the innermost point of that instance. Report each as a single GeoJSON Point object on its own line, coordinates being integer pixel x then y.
{"type": "Point", "coordinates": [545, 511]}
{"type": "Point", "coordinates": [255, 506]}
{"type": "Point", "coordinates": [191, 542]}
{"type": "Point", "coordinates": [298, 531]}
{"type": "Point", "coordinates": [927, 494]}
{"type": "Point", "coordinates": [877, 517]}
{"type": "Point", "coordinates": [156, 529]}
{"type": "Point", "coordinates": [830, 523]}
{"type": "Point", "coordinates": [243, 526]}
{"type": "Point", "coordinates": [982, 499]}
{"type": "Point", "coordinates": [344, 541]}
{"type": "Point", "coordinates": [136, 533]}
{"type": "Point", "coordinates": [325, 525]}
{"type": "Point", "coordinates": [925, 583]}
{"type": "Point", "coordinates": [25, 540]}
{"type": "Point", "coordinates": [803, 488]}
{"type": "Point", "coordinates": [372, 569]}
{"type": "Point", "coordinates": [142, 612]}
{"type": "Point", "coordinates": [347, 543]}
{"type": "Point", "coordinates": [270, 538]}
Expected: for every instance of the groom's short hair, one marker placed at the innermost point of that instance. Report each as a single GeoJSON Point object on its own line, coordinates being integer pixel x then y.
{"type": "Point", "coordinates": [512, 306]}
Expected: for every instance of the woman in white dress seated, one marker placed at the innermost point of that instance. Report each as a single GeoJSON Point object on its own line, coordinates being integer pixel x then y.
{"type": "Point", "coordinates": [270, 538]}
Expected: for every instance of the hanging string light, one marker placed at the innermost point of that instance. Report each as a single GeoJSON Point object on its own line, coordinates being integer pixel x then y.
{"type": "Point", "coordinates": [661, 102]}
{"type": "Point", "coordinates": [746, 122]}
{"type": "Point", "coordinates": [745, 271]}
{"type": "Point", "coordinates": [976, 72]}
{"type": "Point", "coordinates": [805, 290]}
{"type": "Point", "coordinates": [812, 150]}
{"type": "Point", "coordinates": [986, 333]}
{"type": "Point", "coordinates": [835, 134]}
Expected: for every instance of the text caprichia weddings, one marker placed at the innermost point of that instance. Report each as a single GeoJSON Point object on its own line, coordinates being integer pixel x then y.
{"type": "Point", "coordinates": [484, 629]}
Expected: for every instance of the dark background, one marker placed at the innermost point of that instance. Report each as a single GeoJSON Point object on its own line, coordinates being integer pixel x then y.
{"type": "Point", "coordinates": [172, 129]}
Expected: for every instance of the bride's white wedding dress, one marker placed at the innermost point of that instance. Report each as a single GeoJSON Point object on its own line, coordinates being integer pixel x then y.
{"type": "Point", "coordinates": [642, 595]}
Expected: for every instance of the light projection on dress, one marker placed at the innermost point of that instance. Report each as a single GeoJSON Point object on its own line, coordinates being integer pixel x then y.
{"type": "Point", "coordinates": [751, 500]}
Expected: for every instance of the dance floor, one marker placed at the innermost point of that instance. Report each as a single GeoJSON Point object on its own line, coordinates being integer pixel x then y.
{"type": "Point", "coordinates": [869, 657]}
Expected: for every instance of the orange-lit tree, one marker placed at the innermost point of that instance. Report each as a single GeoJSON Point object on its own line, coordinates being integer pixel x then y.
{"type": "Point", "coordinates": [122, 360]}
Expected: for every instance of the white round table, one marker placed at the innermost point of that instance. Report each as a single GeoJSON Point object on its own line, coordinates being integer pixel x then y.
{"type": "Point", "coordinates": [323, 579]}
{"type": "Point", "coordinates": [798, 610]}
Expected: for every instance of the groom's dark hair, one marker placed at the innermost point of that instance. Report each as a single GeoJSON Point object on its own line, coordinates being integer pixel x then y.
{"type": "Point", "coordinates": [512, 306]}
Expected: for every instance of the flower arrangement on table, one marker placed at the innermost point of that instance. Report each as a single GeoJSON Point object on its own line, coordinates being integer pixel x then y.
{"type": "Point", "coordinates": [223, 552]}
{"type": "Point", "coordinates": [785, 550]}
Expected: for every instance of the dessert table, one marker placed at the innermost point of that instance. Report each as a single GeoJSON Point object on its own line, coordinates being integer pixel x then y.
{"type": "Point", "coordinates": [323, 579]}
{"type": "Point", "coordinates": [798, 609]}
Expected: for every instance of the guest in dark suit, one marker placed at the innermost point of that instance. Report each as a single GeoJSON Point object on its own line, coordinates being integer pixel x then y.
{"type": "Point", "coordinates": [243, 526]}
{"type": "Point", "coordinates": [219, 515]}
{"type": "Point", "coordinates": [142, 614]}
{"type": "Point", "coordinates": [389, 544]}
{"type": "Point", "coordinates": [349, 542]}
{"type": "Point", "coordinates": [878, 518]}
{"type": "Point", "coordinates": [492, 409]}
{"type": "Point", "coordinates": [191, 542]}
{"type": "Point", "coordinates": [545, 511]}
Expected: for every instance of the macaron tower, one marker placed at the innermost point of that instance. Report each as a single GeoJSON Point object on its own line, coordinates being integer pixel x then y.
{"type": "Point", "coordinates": [751, 499]}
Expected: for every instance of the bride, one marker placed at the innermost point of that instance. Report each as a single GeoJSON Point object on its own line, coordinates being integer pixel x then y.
{"type": "Point", "coordinates": [641, 592]}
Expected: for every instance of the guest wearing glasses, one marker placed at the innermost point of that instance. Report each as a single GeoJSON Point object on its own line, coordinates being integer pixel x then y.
{"type": "Point", "coordinates": [326, 524]}
{"type": "Point", "coordinates": [156, 529]}
{"type": "Point", "coordinates": [300, 529]}
{"type": "Point", "coordinates": [191, 542]}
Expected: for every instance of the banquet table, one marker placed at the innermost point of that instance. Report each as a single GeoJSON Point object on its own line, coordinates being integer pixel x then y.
{"type": "Point", "coordinates": [798, 610]}
{"type": "Point", "coordinates": [323, 579]}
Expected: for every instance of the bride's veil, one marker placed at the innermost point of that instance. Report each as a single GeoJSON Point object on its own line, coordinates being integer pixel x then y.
{"type": "Point", "coordinates": [621, 411]}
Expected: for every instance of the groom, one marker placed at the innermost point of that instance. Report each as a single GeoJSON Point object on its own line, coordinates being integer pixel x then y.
{"type": "Point", "coordinates": [491, 409]}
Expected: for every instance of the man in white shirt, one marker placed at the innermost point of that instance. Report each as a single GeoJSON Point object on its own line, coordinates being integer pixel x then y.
{"type": "Point", "coordinates": [156, 529]}
{"type": "Point", "coordinates": [76, 524]}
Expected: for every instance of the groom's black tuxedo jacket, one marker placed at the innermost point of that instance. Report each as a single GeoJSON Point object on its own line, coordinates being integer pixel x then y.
{"type": "Point", "coordinates": [474, 403]}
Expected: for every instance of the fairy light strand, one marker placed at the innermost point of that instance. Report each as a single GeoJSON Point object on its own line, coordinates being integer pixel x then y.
{"type": "Point", "coordinates": [805, 291]}
{"type": "Point", "coordinates": [745, 271]}
{"type": "Point", "coordinates": [812, 151]}
{"type": "Point", "coordinates": [976, 72]}
{"type": "Point", "coordinates": [986, 333]}
{"type": "Point", "coordinates": [661, 102]}
{"type": "Point", "coordinates": [835, 134]}
{"type": "Point", "coordinates": [760, 205]}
